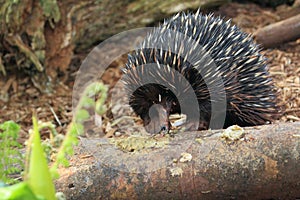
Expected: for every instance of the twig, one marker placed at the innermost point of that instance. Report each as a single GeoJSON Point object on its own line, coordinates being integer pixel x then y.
{"type": "Point", "coordinates": [55, 116]}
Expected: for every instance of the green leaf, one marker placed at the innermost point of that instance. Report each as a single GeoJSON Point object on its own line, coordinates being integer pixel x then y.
{"type": "Point", "coordinates": [39, 178]}
{"type": "Point", "coordinates": [100, 108]}
{"type": "Point", "coordinates": [94, 91]}
{"type": "Point", "coordinates": [20, 191]}
{"type": "Point", "coordinates": [11, 128]}
{"type": "Point", "coordinates": [87, 102]}
{"type": "Point", "coordinates": [9, 153]}
{"type": "Point", "coordinates": [76, 129]}
{"type": "Point", "coordinates": [82, 115]}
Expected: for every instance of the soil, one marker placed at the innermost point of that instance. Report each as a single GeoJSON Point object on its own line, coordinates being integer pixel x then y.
{"type": "Point", "coordinates": [19, 98]}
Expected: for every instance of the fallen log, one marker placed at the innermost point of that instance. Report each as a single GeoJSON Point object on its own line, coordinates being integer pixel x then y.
{"type": "Point", "coordinates": [263, 164]}
{"type": "Point", "coordinates": [279, 33]}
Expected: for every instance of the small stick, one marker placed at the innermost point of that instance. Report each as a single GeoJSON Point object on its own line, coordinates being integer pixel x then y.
{"type": "Point", "coordinates": [55, 116]}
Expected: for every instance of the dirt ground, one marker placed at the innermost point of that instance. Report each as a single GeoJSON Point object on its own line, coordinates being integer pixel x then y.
{"type": "Point", "coordinates": [19, 98]}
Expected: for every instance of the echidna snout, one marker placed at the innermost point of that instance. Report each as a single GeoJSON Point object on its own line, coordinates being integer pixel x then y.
{"type": "Point", "coordinates": [157, 121]}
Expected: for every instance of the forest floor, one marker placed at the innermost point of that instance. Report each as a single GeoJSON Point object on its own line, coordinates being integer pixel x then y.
{"type": "Point", "coordinates": [19, 98]}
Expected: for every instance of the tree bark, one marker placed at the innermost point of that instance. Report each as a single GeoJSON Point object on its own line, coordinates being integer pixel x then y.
{"type": "Point", "coordinates": [263, 164]}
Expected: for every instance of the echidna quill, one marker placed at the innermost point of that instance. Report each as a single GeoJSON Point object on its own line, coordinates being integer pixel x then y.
{"type": "Point", "coordinates": [171, 56]}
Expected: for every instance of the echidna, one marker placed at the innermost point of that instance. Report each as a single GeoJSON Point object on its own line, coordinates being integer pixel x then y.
{"type": "Point", "coordinates": [224, 67]}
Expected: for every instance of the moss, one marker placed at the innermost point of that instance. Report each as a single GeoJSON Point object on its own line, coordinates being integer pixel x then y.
{"type": "Point", "coordinates": [137, 143]}
{"type": "Point", "coordinates": [51, 10]}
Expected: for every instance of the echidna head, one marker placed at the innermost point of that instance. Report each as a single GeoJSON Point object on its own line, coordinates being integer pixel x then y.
{"type": "Point", "coordinates": [154, 103]}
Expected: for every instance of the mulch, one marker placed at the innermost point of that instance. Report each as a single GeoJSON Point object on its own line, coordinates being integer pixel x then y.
{"type": "Point", "coordinates": [19, 98]}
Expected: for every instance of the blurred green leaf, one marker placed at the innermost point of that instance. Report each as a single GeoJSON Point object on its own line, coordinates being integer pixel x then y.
{"type": "Point", "coordinates": [82, 115]}
{"type": "Point", "coordinates": [87, 102]}
{"type": "Point", "coordinates": [11, 159]}
{"type": "Point", "coordinates": [20, 191]}
{"type": "Point", "coordinates": [39, 177]}
{"type": "Point", "coordinates": [10, 127]}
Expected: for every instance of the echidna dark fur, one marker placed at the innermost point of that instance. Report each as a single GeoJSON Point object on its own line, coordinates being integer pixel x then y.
{"type": "Point", "coordinates": [251, 97]}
